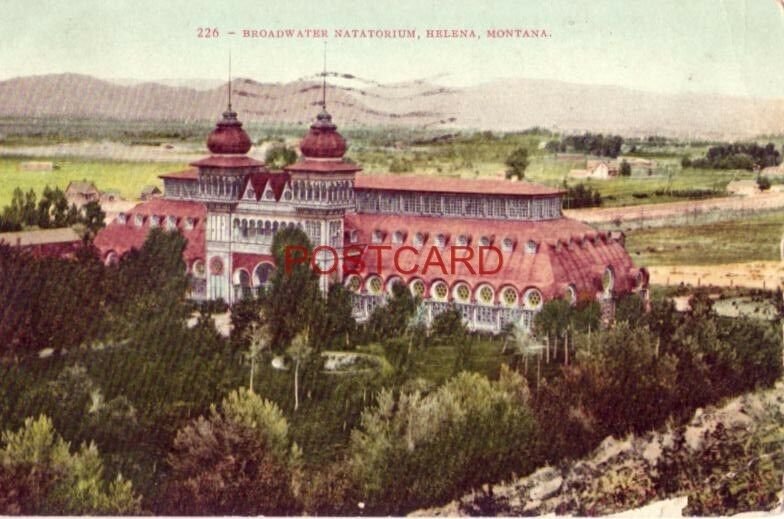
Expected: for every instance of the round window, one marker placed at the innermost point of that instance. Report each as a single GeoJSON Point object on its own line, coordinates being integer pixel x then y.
{"type": "Point", "coordinates": [440, 291]}
{"type": "Point", "coordinates": [418, 288]}
{"type": "Point", "coordinates": [533, 299]}
{"type": "Point", "coordinates": [486, 294]}
{"type": "Point", "coordinates": [216, 266]}
{"type": "Point", "coordinates": [510, 296]}
{"type": "Point", "coordinates": [353, 283]}
{"type": "Point", "coordinates": [375, 285]}
{"type": "Point", "coordinates": [463, 293]}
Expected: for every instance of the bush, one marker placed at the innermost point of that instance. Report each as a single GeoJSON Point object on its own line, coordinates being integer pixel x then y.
{"type": "Point", "coordinates": [421, 449]}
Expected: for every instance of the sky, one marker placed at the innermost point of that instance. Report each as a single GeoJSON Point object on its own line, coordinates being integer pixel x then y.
{"type": "Point", "coordinates": [733, 47]}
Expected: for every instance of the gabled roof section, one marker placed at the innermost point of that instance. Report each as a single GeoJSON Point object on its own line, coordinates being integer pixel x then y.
{"type": "Point", "coordinates": [259, 181]}
{"type": "Point", "coordinates": [435, 184]}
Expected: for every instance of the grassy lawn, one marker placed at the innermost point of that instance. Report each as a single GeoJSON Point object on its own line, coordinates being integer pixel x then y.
{"type": "Point", "coordinates": [127, 177]}
{"type": "Point", "coordinates": [746, 239]}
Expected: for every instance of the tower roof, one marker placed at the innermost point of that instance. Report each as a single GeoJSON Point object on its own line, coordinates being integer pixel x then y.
{"type": "Point", "coordinates": [323, 141]}
{"type": "Point", "coordinates": [228, 137]}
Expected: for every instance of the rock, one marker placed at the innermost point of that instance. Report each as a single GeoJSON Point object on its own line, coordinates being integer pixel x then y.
{"type": "Point", "coordinates": [546, 482]}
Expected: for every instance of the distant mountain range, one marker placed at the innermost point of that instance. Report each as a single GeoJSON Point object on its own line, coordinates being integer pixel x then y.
{"type": "Point", "coordinates": [502, 105]}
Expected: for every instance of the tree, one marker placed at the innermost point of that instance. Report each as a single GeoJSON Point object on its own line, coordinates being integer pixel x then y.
{"type": "Point", "coordinates": [630, 308]}
{"type": "Point", "coordinates": [74, 484]}
{"type": "Point", "coordinates": [395, 317]}
{"type": "Point", "coordinates": [763, 183]}
{"type": "Point", "coordinates": [416, 449]}
{"type": "Point", "coordinates": [516, 163]}
{"type": "Point", "coordinates": [448, 328]}
{"type": "Point", "coordinates": [220, 467]}
{"type": "Point", "coordinates": [93, 218]}
{"type": "Point", "coordinates": [334, 325]}
{"type": "Point", "coordinates": [279, 156]}
{"type": "Point", "coordinates": [244, 407]}
{"type": "Point", "coordinates": [626, 168]}
{"type": "Point", "coordinates": [299, 351]}
{"type": "Point", "coordinates": [294, 298]}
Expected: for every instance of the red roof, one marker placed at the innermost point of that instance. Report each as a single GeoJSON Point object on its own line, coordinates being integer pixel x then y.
{"type": "Point", "coordinates": [186, 174]}
{"type": "Point", "coordinates": [556, 264]}
{"type": "Point", "coordinates": [323, 166]}
{"type": "Point", "coordinates": [228, 135]}
{"type": "Point", "coordinates": [228, 161]}
{"type": "Point", "coordinates": [121, 237]}
{"type": "Point", "coordinates": [453, 185]}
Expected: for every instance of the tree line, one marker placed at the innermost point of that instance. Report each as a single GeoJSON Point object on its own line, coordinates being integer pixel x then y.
{"type": "Point", "coordinates": [51, 211]}
{"type": "Point", "coordinates": [749, 156]}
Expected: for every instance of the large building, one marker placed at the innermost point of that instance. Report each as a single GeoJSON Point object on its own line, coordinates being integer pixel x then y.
{"type": "Point", "coordinates": [496, 249]}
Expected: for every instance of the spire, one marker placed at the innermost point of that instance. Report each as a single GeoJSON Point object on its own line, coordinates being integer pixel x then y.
{"type": "Point", "coordinates": [228, 87]}
{"type": "Point", "coordinates": [324, 80]}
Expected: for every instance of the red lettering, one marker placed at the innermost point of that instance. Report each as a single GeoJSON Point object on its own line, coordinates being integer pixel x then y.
{"type": "Point", "coordinates": [353, 254]}
{"type": "Point", "coordinates": [314, 259]}
{"type": "Point", "coordinates": [398, 268]}
{"type": "Point", "coordinates": [438, 261]}
{"type": "Point", "coordinates": [290, 259]}
{"type": "Point", "coordinates": [378, 249]}
{"type": "Point", "coordinates": [489, 248]}
{"type": "Point", "coordinates": [465, 260]}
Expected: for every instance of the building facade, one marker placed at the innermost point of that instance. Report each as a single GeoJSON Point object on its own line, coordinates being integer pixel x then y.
{"type": "Point", "coordinates": [496, 249]}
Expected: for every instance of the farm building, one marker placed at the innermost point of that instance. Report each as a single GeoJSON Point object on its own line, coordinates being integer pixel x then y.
{"type": "Point", "coordinates": [81, 192]}
{"type": "Point", "coordinates": [496, 249]}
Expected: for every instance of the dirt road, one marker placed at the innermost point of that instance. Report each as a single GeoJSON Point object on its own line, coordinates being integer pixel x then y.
{"type": "Point", "coordinates": [757, 274]}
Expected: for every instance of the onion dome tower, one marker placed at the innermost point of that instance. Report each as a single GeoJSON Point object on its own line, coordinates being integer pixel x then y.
{"type": "Point", "coordinates": [322, 182]}
{"type": "Point", "coordinates": [222, 174]}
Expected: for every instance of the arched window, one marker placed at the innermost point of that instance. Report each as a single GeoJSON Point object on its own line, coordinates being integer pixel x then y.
{"type": "Point", "coordinates": [507, 245]}
{"type": "Point", "coordinates": [262, 274]}
{"type": "Point", "coordinates": [485, 295]}
{"type": "Point", "coordinates": [375, 285]}
{"type": "Point", "coordinates": [391, 282]}
{"type": "Point", "coordinates": [419, 239]}
{"type": "Point", "coordinates": [398, 237]}
{"type": "Point", "coordinates": [509, 296]}
{"type": "Point", "coordinates": [530, 247]}
{"type": "Point", "coordinates": [608, 281]}
{"type": "Point", "coordinates": [111, 258]}
{"type": "Point", "coordinates": [353, 283]}
{"type": "Point", "coordinates": [533, 299]}
{"type": "Point", "coordinates": [571, 294]}
{"type": "Point", "coordinates": [440, 240]}
{"type": "Point", "coordinates": [417, 288]}
{"type": "Point", "coordinates": [198, 269]}
{"type": "Point", "coordinates": [462, 240]}
{"type": "Point", "coordinates": [439, 291]}
{"type": "Point", "coordinates": [462, 293]}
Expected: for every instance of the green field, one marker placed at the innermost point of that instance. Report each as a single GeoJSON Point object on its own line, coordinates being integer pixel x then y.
{"type": "Point", "coordinates": [742, 240]}
{"type": "Point", "coordinates": [127, 177]}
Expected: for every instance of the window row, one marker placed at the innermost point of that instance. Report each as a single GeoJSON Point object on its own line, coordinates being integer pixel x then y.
{"type": "Point", "coordinates": [168, 221]}
{"type": "Point", "coordinates": [472, 206]}
{"type": "Point", "coordinates": [461, 292]}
